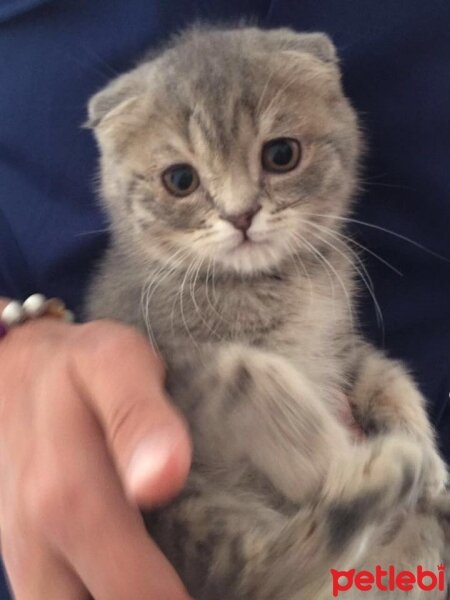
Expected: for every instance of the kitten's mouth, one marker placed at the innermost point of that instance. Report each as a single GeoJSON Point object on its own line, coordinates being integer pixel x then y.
{"type": "Point", "coordinates": [247, 244]}
{"type": "Point", "coordinates": [259, 237]}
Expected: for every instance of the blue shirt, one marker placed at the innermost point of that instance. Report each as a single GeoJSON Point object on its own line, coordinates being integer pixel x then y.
{"type": "Point", "coordinates": [54, 54]}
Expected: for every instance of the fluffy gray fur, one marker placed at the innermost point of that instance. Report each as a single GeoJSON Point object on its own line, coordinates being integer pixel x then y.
{"type": "Point", "coordinates": [260, 338]}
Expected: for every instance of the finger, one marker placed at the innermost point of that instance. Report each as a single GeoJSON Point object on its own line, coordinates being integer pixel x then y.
{"type": "Point", "coordinates": [35, 572]}
{"type": "Point", "coordinates": [104, 539]}
{"type": "Point", "coordinates": [121, 377]}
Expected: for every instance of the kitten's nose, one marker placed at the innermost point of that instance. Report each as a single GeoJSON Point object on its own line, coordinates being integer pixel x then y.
{"type": "Point", "coordinates": [243, 221]}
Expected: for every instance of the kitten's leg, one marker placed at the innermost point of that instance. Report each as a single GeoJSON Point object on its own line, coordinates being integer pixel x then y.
{"type": "Point", "coordinates": [385, 399]}
{"type": "Point", "coordinates": [255, 408]}
{"type": "Point", "coordinates": [253, 405]}
{"type": "Point", "coordinates": [229, 545]}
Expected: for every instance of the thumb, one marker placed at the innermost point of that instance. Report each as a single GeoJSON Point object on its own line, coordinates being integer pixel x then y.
{"type": "Point", "coordinates": [121, 377]}
{"type": "Point", "coordinates": [159, 465]}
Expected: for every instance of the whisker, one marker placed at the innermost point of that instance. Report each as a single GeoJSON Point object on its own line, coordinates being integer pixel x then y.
{"type": "Point", "coordinates": [362, 275]}
{"type": "Point", "coordinates": [383, 229]}
{"type": "Point", "coordinates": [365, 183]}
{"type": "Point", "coordinates": [210, 274]}
{"type": "Point", "coordinates": [100, 61]}
{"type": "Point", "coordinates": [281, 91]}
{"type": "Point", "coordinates": [174, 303]}
{"type": "Point", "coordinates": [197, 308]}
{"type": "Point", "coordinates": [145, 311]}
{"type": "Point", "coordinates": [93, 232]}
{"type": "Point", "coordinates": [336, 274]}
{"type": "Point", "coordinates": [187, 275]}
{"type": "Point", "coordinates": [151, 284]}
{"type": "Point", "coordinates": [347, 246]}
{"type": "Point", "coordinates": [293, 256]}
{"type": "Point", "coordinates": [364, 248]}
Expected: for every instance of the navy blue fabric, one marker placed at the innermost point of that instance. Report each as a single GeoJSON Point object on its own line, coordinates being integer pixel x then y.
{"type": "Point", "coordinates": [396, 59]}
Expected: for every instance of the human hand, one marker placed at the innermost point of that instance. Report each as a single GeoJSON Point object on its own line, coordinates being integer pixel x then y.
{"type": "Point", "coordinates": [86, 434]}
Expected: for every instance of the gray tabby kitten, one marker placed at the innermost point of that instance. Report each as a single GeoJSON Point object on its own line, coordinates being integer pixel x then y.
{"type": "Point", "coordinates": [228, 163]}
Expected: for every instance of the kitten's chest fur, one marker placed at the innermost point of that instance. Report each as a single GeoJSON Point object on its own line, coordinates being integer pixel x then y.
{"type": "Point", "coordinates": [203, 311]}
{"type": "Point", "coordinates": [303, 318]}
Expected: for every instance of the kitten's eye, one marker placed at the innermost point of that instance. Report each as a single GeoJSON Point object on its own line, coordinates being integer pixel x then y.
{"type": "Point", "coordinates": [281, 155]}
{"type": "Point", "coordinates": [180, 180]}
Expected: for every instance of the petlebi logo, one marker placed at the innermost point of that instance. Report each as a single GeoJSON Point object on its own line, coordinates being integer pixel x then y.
{"type": "Point", "coordinates": [388, 579]}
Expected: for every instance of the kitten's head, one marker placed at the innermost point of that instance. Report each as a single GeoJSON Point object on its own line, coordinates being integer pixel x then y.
{"type": "Point", "coordinates": [222, 146]}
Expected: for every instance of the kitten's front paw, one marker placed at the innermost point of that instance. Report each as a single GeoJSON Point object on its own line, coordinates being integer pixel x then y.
{"type": "Point", "coordinates": [396, 465]}
{"type": "Point", "coordinates": [387, 471]}
{"type": "Point", "coordinates": [435, 473]}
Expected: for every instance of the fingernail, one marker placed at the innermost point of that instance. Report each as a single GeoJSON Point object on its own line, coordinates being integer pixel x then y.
{"type": "Point", "coordinates": [150, 459]}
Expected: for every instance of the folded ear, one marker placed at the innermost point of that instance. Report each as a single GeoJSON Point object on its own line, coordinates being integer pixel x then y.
{"type": "Point", "coordinates": [112, 99]}
{"type": "Point", "coordinates": [317, 44]}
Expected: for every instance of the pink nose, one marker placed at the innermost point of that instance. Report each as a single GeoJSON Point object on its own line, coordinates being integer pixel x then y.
{"type": "Point", "coordinates": [244, 220]}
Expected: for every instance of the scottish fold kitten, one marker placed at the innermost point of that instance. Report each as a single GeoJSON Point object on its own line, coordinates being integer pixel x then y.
{"type": "Point", "coordinates": [228, 165]}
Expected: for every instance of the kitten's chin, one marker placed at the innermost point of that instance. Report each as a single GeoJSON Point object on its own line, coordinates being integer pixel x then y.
{"type": "Point", "coordinates": [250, 257]}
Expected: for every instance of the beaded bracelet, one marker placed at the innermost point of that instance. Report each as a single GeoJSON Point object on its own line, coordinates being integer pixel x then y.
{"type": "Point", "coordinates": [34, 307]}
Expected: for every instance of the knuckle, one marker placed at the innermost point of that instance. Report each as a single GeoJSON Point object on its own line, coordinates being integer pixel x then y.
{"type": "Point", "coordinates": [107, 338]}
{"type": "Point", "coordinates": [124, 421]}
{"type": "Point", "coordinates": [125, 339]}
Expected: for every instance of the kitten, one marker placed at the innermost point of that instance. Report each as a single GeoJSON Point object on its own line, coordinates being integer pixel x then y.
{"type": "Point", "coordinates": [229, 161]}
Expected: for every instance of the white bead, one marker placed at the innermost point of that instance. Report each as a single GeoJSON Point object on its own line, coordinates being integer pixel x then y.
{"type": "Point", "coordinates": [69, 317]}
{"type": "Point", "coordinates": [13, 314]}
{"type": "Point", "coordinates": [34, 306]}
